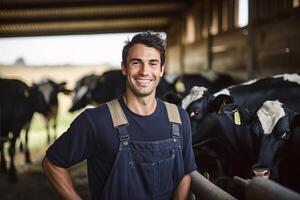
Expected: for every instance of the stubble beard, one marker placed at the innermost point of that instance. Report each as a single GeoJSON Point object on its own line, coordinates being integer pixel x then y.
{"type": "Point", "coordinates": [141, 92]}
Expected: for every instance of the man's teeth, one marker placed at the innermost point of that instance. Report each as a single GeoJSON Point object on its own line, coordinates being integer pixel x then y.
{"type": "Point", "coordinates": [143, 81]}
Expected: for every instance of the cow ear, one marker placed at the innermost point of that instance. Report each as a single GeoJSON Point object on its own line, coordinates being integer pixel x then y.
{"type": "Point", "coordinates": [101, 78]}
{"type": "Point", "coordinates": [219, 101]}
{"type": "Point", "coordinates": [172, 97]}
{"type": "Point", "coordinates": [34, 86]}
{"type": "Point", "coordinates": [296, 122]}
{"type": "Point", "coordinates": [62, 88]}
{"type": "Point", "coordinates": [66, 91]}
{"type": "Point", "coordinates": [63, 83]}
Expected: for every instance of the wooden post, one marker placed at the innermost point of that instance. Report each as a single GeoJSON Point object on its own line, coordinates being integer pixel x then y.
{"type": "Point", "coordinates": [208, 17]}
{"type": "Point", "coordinates": [251, 54]}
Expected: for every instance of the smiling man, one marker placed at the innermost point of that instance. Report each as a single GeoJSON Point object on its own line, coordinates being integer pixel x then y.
{"type": "Point", "coordinates": [136, 146]}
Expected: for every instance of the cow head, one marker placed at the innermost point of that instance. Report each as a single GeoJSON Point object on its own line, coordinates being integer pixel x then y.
{"type": "Point", "coordinates": [84, 90]}
{"type": "Point", "coordinates": [38, 101]}
{"type": "Point", "coordinates": [199, 102]}
{"type": "Point", "coordinates": [51, 89]}
{"type": "Point", "coordinates": [276, 125]}
{"type": "Point", "coordinates": [222, 136]}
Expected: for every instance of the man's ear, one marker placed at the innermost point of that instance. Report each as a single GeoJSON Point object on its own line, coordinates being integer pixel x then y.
{"type": "Point", "coordinates": [123, 68]}
{"type": "Point", "coordinates": [162, 70]}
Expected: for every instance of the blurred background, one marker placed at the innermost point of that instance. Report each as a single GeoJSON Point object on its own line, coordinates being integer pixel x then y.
{"type": "Point", "coordinates": [65, 40]}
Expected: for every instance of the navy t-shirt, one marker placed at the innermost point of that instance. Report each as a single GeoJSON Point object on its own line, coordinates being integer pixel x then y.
{"type": "Point", "coordinates": [92, 136]}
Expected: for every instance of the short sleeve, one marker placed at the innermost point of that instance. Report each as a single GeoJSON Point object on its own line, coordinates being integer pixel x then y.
{"type": "Point", "coordinates": [74, 145]}
{"type": "Point", "coordinates": [188, 154]}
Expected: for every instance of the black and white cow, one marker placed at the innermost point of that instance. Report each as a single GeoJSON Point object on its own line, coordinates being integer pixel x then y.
{"type": "Point", "coordinates": [18, 103]}
{"type": "Point", "coordinates": [225, 145]}
{"type": "Point", "coordinates": [224, 142]}
{"type": "Point", "coordinates": [278, 157]}
{"type": "Point", "coordinates": [213, 81]}
{"type": "Point", "coordinates": [50, 91]}
{"type": "Point", "coordinates": [285, 88]}
{"type": "Point", "coordinates": [233, 141]}
{"type": "Point", "coordinates": [97, 89]}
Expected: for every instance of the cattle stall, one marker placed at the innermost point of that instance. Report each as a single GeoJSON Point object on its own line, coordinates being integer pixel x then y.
{"type": "Point", "coordinates": [202, 37]}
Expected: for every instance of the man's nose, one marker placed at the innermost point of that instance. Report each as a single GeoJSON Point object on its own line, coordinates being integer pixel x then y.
{"type": "Point", "coordinates": [144, 69]}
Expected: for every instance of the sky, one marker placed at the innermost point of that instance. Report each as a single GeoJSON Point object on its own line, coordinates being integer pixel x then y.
{"type": "Point", "coordinates": [77, 49]}
{"type": "Point", "coordinates": [53, 50]}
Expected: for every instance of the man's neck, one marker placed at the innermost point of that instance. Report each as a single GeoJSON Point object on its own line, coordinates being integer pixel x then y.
{"type": "Point", "coordinates": [140, 105]}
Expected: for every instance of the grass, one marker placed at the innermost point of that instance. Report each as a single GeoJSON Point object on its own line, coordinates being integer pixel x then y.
{"type": "Point", "coordinates": [38, 134]}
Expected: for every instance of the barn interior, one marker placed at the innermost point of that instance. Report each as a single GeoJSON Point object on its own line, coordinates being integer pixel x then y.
{"type": "Point", "coordinates": [202, 35]}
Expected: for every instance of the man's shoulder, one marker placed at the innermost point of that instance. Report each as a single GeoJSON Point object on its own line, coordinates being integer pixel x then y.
{"type": "Point", "coordinates": [180, 109]}
{"type": "Point", "coordinates": [101, 109]}
{"type": "Point", "coordinates": [183, 114]}
{"type": "Point", "coordinates": [99, 112]}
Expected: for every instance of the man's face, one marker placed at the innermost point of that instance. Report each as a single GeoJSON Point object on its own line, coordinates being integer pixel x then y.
{"type": "Point", "coordinates": [143, 70]}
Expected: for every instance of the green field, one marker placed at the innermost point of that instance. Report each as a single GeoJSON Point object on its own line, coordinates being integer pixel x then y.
{"type": "Point", "coordinates": [38, 134]}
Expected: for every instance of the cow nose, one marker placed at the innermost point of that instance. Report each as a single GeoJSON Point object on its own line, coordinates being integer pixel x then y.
{"type": "Point", "coordinates": [261, 172]}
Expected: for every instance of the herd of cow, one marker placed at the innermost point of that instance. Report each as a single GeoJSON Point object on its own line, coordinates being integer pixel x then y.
{"type": "Point", "coordinates": [238, 129]}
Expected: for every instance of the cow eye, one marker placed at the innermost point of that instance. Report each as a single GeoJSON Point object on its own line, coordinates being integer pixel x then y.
{"type": "Point", "coordinates": [196, 111]}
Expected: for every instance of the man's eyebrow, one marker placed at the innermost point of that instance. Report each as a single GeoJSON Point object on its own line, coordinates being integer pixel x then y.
{"type": "Point", "coordinates": [154, 60]}
{"type": "Point", "coordinates": [140, 60]}
{"type": "Point", "coordinates": [135, 59]}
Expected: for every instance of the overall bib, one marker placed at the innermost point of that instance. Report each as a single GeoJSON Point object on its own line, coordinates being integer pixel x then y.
{"type": "Point", "coordinates": [144, 170]}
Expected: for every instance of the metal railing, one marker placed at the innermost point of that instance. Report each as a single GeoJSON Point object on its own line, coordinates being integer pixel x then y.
{"type": "Point", "coordinates": [204, 189]}
{"type": "Point", "coordinates": [265, 189]}
{"type": "Point", "coordinates": [258, 188]}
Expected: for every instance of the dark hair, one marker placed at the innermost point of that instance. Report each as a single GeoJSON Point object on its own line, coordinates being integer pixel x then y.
{"type": "Point", "coordinates": [150, 39]}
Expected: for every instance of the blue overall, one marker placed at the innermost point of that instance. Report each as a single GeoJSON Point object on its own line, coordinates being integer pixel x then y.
{"type": "Point", "coordinates": [145, 170]}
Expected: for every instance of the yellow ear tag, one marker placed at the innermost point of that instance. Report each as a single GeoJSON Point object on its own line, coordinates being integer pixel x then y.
{"type": "Point", "coordinates": [26, 93]}
{"type": "Point", "coordinates": [179, 86]}
{"type": "Point", "coordinates": [237, 117]}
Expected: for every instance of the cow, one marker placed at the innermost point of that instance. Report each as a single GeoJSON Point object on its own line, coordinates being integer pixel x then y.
{"type": "Point", "coordinates": [225, 137]}
{"type": "Point", "coordinates": [278, 157]}
{"type": "Point", "coordinates": [18, 103]}
{"type": "Point", "coordinates": [234, 141]}
{"type": "Point", "coordinates": [225, 145]}
{"type": "Point", "coordinates": [251, 94]}
{"type": "Point", "coordinates": [97, 89]}
{"type": "Point", "coordinates": [50, 91]}
{"type": "Point", "coordinates": [213, 81]}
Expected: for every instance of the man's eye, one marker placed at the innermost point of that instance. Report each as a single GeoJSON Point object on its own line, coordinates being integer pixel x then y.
{"type": "Point", "coordinates": [135, 63]}
{"type": "Point", "coordinates": [154, 64]}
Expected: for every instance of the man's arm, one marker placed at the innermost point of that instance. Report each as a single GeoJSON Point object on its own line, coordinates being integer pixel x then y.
{"type": "Point", "coordinates": [182, 191]}
{"type": "Point", "coordinates": [60, 179]}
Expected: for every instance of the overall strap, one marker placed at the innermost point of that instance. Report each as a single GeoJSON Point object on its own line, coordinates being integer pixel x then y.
{"type": "Point", "coordinates": [119, 120]}
{"type": "Point", "coordinates": [174, 119]}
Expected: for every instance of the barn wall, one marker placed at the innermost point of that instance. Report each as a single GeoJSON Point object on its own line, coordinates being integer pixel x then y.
{"type": "Point", "coordinates": [268, 45]}
{"type": "Point", "coordinates": [229, 52]}
{"type": "Point", "coordinates": [277, 46]}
